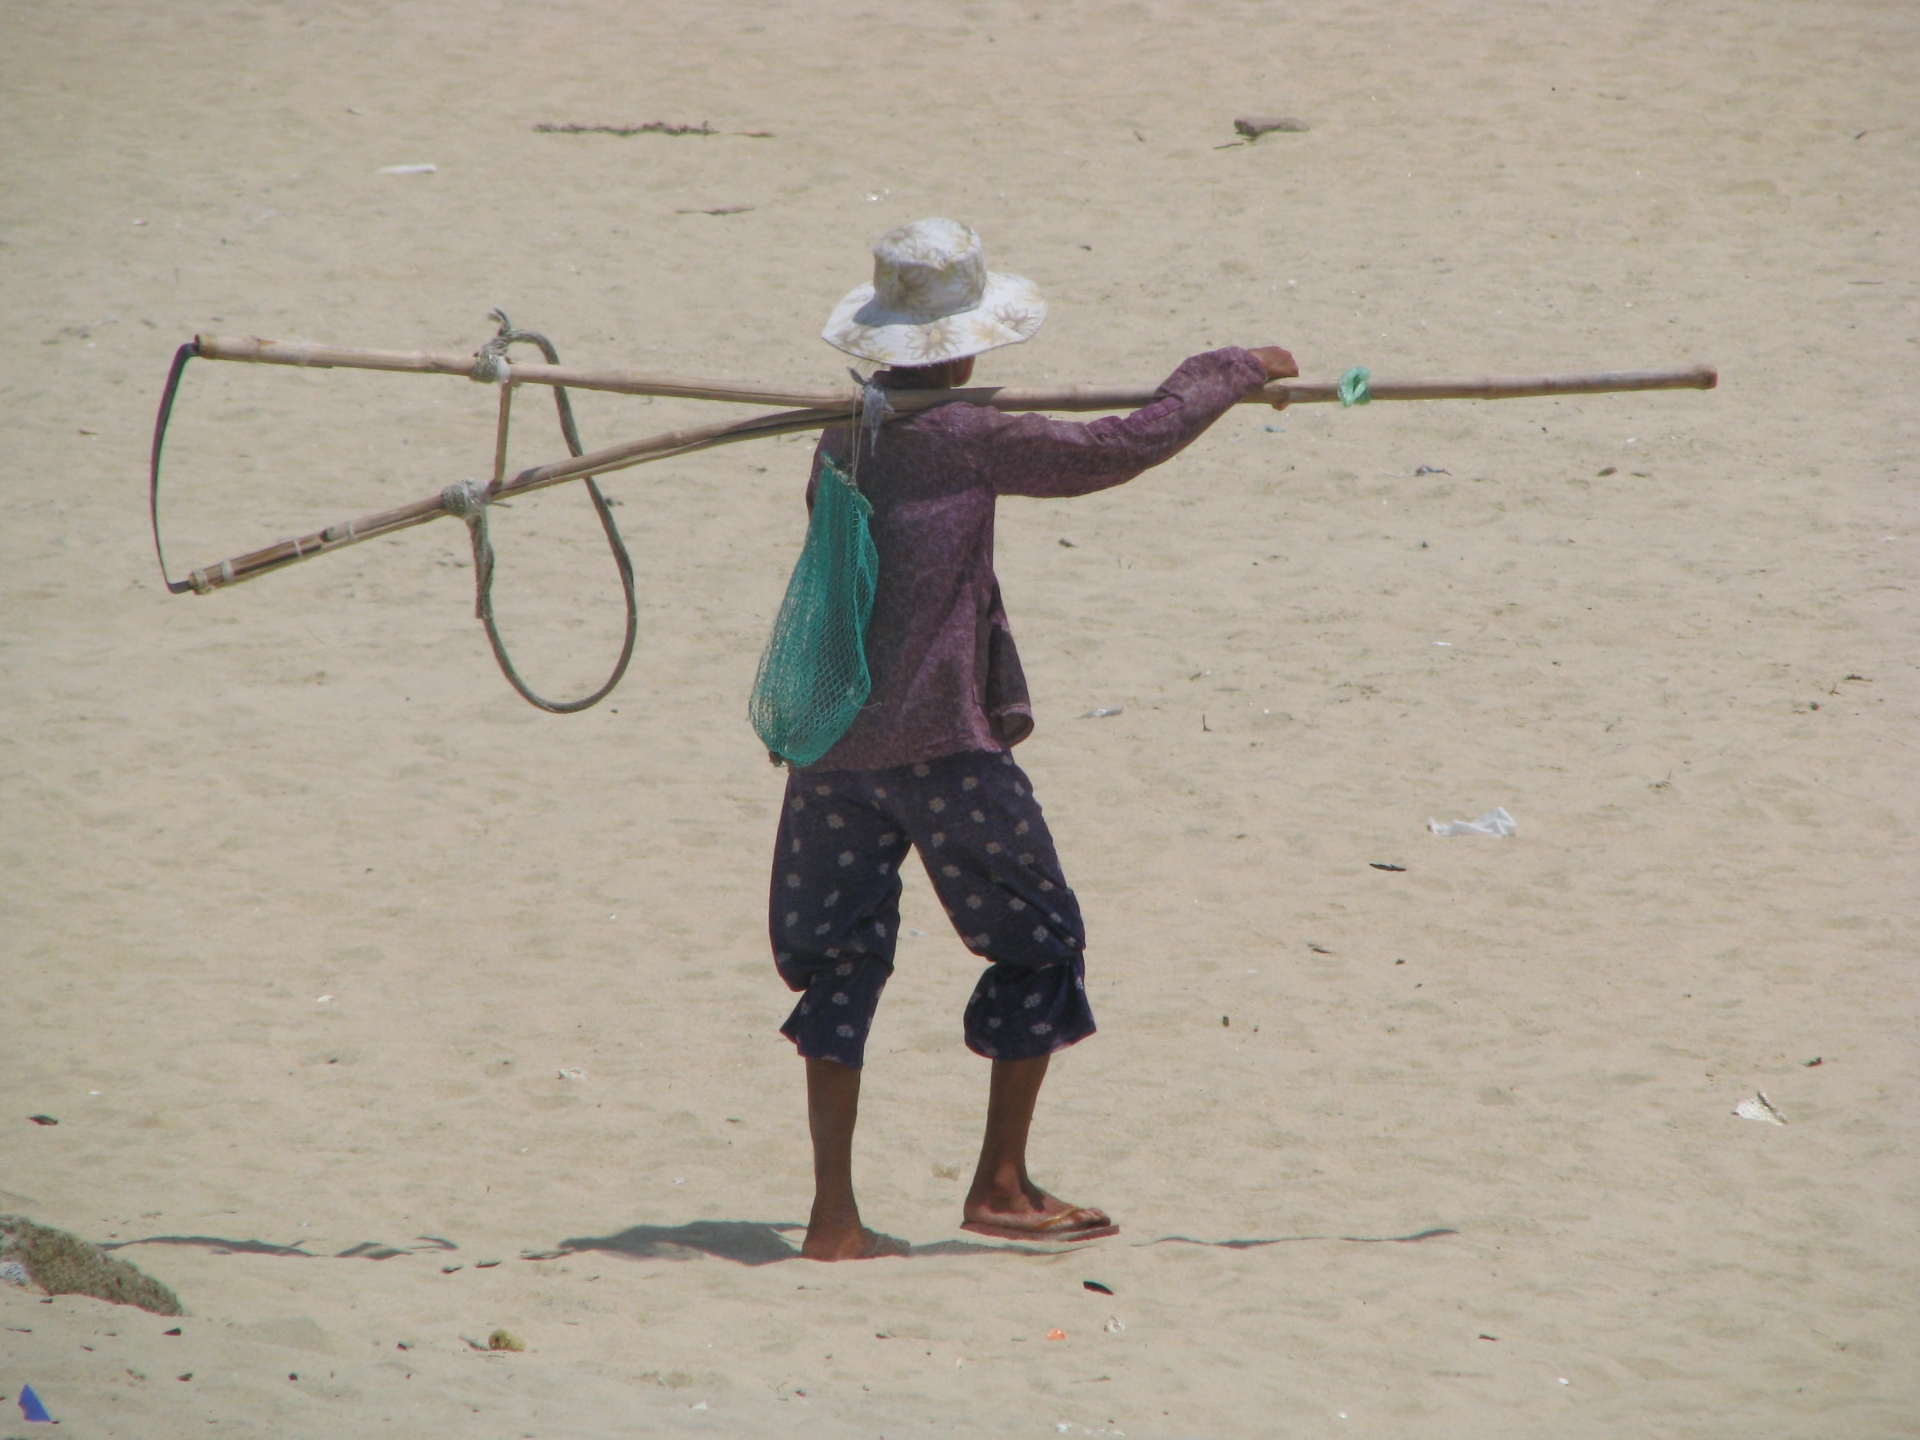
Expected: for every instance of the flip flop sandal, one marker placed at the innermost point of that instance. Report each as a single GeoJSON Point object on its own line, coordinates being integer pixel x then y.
{"type": "Point", "coordinates": [1056, 1228]}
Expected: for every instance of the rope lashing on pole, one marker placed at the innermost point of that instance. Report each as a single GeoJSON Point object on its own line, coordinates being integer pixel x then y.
{"type": "Point", "coordinates": [875, 409]}
{"type": "Point", "coordinates": [1354, 387]}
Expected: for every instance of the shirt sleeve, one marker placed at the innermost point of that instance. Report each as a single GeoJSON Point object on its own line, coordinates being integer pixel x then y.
{"type": "Point", "coordinates": [1033, 455]}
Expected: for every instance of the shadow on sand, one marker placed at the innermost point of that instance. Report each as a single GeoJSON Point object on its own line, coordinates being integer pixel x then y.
{"type": "Point", "coordinates": [755, 1242]}
{"type": "Point", "coordinates": [365, 1250]}
{"type": "Point", "coordinates": [216, 1244]}
{"type": "Point", "coordinates": [750, 1242]}
{"type": "Point", "coordinates": [1297, 1239]}
{"type": "Point", "coordinates": [744, 1242]}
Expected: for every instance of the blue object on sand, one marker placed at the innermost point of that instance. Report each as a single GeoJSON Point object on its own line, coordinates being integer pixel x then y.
{"type": "Point", "coordinates": [31, 1407]}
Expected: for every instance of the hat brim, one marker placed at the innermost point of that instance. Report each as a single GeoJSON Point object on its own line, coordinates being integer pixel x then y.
{"type": "Point", "coordinates": [1009, 312]}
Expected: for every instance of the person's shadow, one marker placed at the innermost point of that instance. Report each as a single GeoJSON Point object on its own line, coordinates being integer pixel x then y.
{"type": "Point", "coordinates": [745, 1242]}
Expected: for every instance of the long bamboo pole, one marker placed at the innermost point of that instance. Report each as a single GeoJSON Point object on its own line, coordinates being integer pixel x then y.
{"type": "Point", "coordinates": [598, 462]}
{"type": "Point", "coordinates": [813, 416]}
{"type": "Point", "coordinates": [1001, 397]}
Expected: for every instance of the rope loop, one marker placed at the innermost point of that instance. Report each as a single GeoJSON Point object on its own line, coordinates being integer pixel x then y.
{"type": "Point", "coordinates": [1353, 388]}
{"type": "Point", "coordinates": [469, 500]}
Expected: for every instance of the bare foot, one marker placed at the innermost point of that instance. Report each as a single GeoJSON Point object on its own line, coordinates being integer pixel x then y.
{"type": "Point", "coordinates": [855, 1243]}
{"type": "Point", "coordinates": [1032, 1214]}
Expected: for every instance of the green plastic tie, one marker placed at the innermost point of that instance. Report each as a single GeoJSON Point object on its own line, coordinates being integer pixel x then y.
{"type": "Point", "coordinates": [1353, 388]}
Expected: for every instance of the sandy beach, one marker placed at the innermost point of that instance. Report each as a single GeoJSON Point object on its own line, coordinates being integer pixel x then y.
{"type": "Point", "coordinates": [306, 916]}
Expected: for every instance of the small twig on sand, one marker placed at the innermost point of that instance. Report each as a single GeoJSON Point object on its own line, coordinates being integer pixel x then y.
{"type": "Point", "coordinates": [652, 127]}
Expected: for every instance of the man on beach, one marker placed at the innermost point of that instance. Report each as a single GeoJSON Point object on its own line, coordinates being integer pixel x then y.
{"type": "Point", "coordinates": [927, 764]}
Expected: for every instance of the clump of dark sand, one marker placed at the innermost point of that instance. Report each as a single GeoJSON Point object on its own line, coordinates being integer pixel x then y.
{"type": "Point", "coordinates": [63, 1264]}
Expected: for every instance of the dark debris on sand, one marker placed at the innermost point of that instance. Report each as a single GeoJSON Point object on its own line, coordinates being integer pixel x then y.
{"type": "Point", "coordinates": [1254, 126]}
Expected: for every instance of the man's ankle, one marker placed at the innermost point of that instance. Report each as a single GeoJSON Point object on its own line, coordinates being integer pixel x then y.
{"type": "Point", "coordinates": [1000, 1187]}
{"type": "Point", "coordinates": [836, 1212]}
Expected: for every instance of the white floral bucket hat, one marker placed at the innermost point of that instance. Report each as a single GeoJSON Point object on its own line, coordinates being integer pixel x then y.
{"type": "Point", "coordinates": [933, 299]}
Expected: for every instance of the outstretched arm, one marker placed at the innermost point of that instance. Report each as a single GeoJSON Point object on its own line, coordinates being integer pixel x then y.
{"type": "Point", "coordinates": [1033, 455]}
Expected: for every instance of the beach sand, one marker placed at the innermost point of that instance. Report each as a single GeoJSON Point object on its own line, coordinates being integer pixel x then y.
{"type": "Point", "coordinates": [305, 913]}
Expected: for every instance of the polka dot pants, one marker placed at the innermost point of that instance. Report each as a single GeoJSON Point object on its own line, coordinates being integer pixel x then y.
{"type": "Point", "coordinates": [835, 909]}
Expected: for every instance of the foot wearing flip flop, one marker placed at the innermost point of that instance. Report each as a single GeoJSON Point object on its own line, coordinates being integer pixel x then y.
{"type": "Point", "coordinates": [1033, 1214]}
{"type": "Point", "coordinates": [1003, 1201]}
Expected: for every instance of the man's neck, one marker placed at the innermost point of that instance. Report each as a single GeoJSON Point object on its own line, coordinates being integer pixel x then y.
{"type": "Point", "coordinates": [944, 376]}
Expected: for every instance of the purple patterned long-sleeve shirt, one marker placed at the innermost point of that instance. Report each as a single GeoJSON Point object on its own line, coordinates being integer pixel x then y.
{"type": "Point", "coordinates": [946, 676]}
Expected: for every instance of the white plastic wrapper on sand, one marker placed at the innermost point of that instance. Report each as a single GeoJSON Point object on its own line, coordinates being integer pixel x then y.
{"type": "Point", "coordinates": [1495, 822]}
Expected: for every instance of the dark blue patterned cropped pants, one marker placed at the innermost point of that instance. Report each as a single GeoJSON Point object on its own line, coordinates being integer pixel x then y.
{"type": "Point", "coordinates": [835, 908]}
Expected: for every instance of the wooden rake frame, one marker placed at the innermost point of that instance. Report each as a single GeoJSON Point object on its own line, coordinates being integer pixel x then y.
{"type": "Point", "coordinates": [806, 410]}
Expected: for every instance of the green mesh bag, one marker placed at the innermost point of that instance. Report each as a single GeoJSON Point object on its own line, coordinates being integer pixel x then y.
{"type": "Point", "coordinates": [813, 675]}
